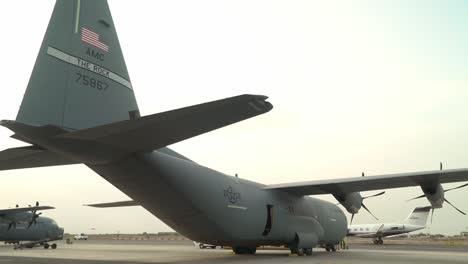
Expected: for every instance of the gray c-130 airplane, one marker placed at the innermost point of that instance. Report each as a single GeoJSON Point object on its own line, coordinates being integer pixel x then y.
{"type": "Point", "coordinates": [80, 108]}
{"type": "Point", "coordinates": [24, 224]}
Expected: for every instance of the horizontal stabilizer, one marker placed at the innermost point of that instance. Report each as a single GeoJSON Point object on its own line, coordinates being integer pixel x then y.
{"type": "Point", "coordinates": [114, 204]}
{"type": "Point", "coordinates": [30, 157]}
{"type": "Point", "coordinates": [24, 209]}
{"type": "Point", "coordinates": [159, 130]}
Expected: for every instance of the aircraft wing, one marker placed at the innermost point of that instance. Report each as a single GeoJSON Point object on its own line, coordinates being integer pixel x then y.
{"type": "Point", "coordinates": [114, 204]}
{"type": "Point", "coordinates": [369, 183]}
{"type": "Point", "coordinates": [159, 130]}
{"type": "Point", "coordinates": [30, 157]}
{"type": "Point", "coordinates": [24, 209]}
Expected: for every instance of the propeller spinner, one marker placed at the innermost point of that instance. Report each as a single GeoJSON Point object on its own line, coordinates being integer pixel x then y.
{"type": "Point", "coordinates": [365, 207]}
{"type": "Point", "coordinates": [358, 203]}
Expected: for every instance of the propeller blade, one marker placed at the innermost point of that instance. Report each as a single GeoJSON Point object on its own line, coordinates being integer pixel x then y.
{"type": "Point", "coordinates": [352, 217]}
{"type": "Point", "coordinates": [461, 186]}
{"type": "Point", "coordinates": [373, 195]}
{"type": "Point", "coordinates": [432, 214]}
{"type": "Point", "coordinates": [365, 207]}
{"type": "Point", "coordinates": [454, 207]}
{"type": "Point", "coordinates": [34, 217]}
{"type": "Point", "coordinates": [421, 196]}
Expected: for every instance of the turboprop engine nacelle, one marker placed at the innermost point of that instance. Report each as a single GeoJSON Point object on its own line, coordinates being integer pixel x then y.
{"type": "Point", "coordinates": [434, 194]}
{"type": "Point", "coordinates": [351, 201]}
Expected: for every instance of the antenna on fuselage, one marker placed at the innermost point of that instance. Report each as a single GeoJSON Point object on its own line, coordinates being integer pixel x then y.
{"type": "Point", "coordinates": [362, 174]}
{"type": "Point", "coordinates": [236, 175]}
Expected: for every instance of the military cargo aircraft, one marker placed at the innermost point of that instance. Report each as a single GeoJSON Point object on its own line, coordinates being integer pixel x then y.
{"type": "Point", "coordinates": [24, 224]}
{"type": "Point", "coordinates": [415, 221]}
{"type": "Point", "coordinates": [80, 108]}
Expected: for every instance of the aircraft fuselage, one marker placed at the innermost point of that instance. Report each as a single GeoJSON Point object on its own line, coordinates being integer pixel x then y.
{"type": "Point", "coordinates": [44, 228]}
{"type": "Point", "coordinates": [370, 230]}
{"type": "Point", "coordinates": [211, 207]}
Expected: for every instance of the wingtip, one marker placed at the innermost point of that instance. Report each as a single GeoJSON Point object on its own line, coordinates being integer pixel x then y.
{"type": "Point", "coordinates": [257, 96]}
{"type": "Point", "coordinates": [260, 103]}
{"type": "Point", "coordinates": [5, 122]}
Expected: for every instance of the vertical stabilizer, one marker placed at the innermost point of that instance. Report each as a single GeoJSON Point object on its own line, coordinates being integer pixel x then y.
{"type": "Point", "coordinates": [80, 79]}
{"type": "Point", "coordinates": [418, 216]}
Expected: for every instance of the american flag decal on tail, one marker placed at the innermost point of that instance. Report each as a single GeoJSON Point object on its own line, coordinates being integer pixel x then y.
{"type": "Point", "coordinates": [92, 38]}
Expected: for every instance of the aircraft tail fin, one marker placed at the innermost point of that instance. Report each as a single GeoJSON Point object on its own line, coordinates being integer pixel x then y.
{"type": "Point", "coordinates": [30, 157]}
{"type": "Point", "coordinates": [80, 103]}
{"type": "Point", "coordinates": [418, 216]}
{"type": "Point", "coordinates": [80, 79]}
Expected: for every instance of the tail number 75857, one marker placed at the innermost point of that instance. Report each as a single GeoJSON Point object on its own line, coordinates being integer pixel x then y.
{"type": "Point", "coordinates": [91, 82]}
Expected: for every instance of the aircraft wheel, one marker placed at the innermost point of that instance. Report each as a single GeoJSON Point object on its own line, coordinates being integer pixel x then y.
{"type": "Point", "coordinates": [308, 251]}
{"type": "Point", "coordinates": [294, 250]}
{"type": "Point", "coordinates": [375, 242]}
{"type": "Point", "coordinates": [380, 241]}
{"type": "Point", "coordinates": [54, 246]}
{"type": "Point", "coordinates": [300, 252]}
{"type": "Point", "coordinates": [213, 247]}
{"type": "Point", "coordinates": [333, 248]}
{"type": "Point", "coordinates": [297, 251]}
{"type": "Point", "coordinates": [327, 249]}
{"type": "Point", "coordinates": [201, 246]}
{"type": "Point", "coordinates": [244, 250]}
{"type": "Point", "coordinates": [46, 246]}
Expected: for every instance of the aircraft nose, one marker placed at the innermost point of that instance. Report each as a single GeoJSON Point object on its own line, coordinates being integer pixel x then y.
{"type": "Point", "coordinates": [55, 232]}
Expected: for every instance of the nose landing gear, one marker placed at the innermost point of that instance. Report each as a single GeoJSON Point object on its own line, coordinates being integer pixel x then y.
{"type": "Point", "coordinates": [53, 246]}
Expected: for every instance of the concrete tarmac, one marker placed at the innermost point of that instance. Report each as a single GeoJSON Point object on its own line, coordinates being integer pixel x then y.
{"type": "Point", "coordinates": [120, 252]}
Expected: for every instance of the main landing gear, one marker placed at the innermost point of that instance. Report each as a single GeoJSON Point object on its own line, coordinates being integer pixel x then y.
{"type": "Point", "coordinates": [301, 251]}
{"type": "Point", "coordinates": [244, 250]}
{"type": "Point", "coordinates": [378, 241]}
{"type": "Point", "coordinates": [329, 248]}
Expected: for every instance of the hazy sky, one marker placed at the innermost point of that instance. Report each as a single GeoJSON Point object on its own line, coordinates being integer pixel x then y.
{"type": "Point", "coordinates": [374, 86]}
